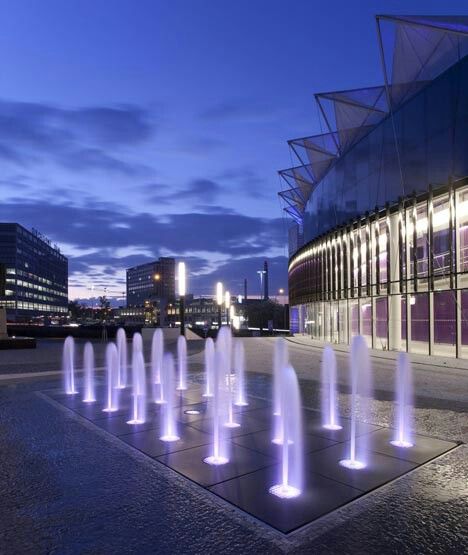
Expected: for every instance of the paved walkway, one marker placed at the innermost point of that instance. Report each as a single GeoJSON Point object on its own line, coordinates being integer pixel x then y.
{"type": "Point", "coordinates": [66, 488]}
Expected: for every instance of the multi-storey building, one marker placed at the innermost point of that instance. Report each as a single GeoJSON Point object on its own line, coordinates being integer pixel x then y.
{"type": "Point", "coordinates": [33, 275]}
{"type": "Point", "coordinates": [150, 282]}
{"type": "Point", "coordinates": [379, 240]}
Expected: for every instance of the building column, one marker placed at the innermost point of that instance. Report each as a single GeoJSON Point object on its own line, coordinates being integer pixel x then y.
{"type": "Point", "coordinates": [394, 305]}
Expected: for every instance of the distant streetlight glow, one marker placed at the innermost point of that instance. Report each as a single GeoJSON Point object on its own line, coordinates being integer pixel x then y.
{"type": "Point", "coordinates": [227, 299]}
{"type": "Point", "coordinates": [182, 279]}
{"type": "Point", "coordinates": [281, 291]}
{"type": "Point", "coordinates": [219, 293]}
{"type": "Point", "coordinates": [157, 277]}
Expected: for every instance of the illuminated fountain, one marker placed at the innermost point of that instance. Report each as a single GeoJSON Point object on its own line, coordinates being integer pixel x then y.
{"type": "Point", "coordinates": [280, 361]}
{"type": "Point", "coordinates": [182, 362]}
{"type": "Point", "coordinates": [137, 343]}
{"type": "Point", "coordinates": [329, 404]}
{"type": "Point", "coordinates": [219, 454]}
{"type": "Point", "coordinates": [168, 420]}
{"type": "Point", "coordinates": [224, 344]}
{"type": "Point", "coordinates": [111, 378]}
{"type": "Point", "coordinates": [291, 479]}
{"type": "Point", "coordinates": [404, 401]}
{"type": "Point", "coordinates": [121, 340]}
{"type": "Point", "coordinates": [157, 352]}
{"type": "Point", "coordinates": [88, 358]}
{"type": "Point", "coordinates": [360, 393]}
{"type": "Point", "coordinates": [239, 367]}
{"type": "Point", "coordinates": [138, 388]}
{"type": "Point", "coordinates": [68, 365]}
{"type": "Point", "coordinates": [209, 367]}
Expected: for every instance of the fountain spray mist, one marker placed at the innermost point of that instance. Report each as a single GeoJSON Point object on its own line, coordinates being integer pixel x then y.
{"type": "Point", "coordinates": [291, 479]}
{"type": "Point", "coordinates": [209, 367]}
{"type": "Point", "coordinates": [224, 344]}
{"type": "Point", "coordinates": [239, 367]}
{"type": "Point", "coordinates": [111, 373]}
{"type": "Point", "coordinates": [280, 361]}
{"type": "Point", "coordinates": [88, 358]}
{"type": "Point", "coordinates": [360, 398]}
{"type": "Point", "coordinates": [121, 340]}
{"type": "Point", "coordinates": [219, 451]}
{"type": "Point", "coordinates": [68, 365]}
{"type": "Point", "coordinates": [329, 400]}
{"type": "Point", "coordinates": [404, 402]}
{"type": "Point", "coordinates": [138, 389]}
{"type": "Point", "coordinates": [168, 421]}
{"type": "Point", "coordinates": [157, 352]}
{"type": "Point", "coordinates": [182, 362]}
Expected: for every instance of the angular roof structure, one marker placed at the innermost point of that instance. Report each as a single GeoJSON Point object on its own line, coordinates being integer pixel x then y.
{"type": "Point", "coordinates": [414, 51]}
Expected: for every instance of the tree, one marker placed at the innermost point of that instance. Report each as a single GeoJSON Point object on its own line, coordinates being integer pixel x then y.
{"type": "Point", "coordinates": [76, 310]}
{"type": "Point", "coordinates": [104, 308]}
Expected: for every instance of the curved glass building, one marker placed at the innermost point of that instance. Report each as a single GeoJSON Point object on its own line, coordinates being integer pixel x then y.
{"type": "Point", "coordinates": [379, 203]}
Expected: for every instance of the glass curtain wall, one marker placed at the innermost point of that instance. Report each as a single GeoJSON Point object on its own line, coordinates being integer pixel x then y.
{"type": "Point", "coordinates": [342, 282]}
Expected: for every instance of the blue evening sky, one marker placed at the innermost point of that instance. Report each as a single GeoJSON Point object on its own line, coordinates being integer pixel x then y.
{"type": "Point", "coordinates": [133, 129]}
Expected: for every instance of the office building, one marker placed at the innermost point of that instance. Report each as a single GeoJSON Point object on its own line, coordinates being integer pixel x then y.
{"type": "Point", "coordinates": [33, 275]}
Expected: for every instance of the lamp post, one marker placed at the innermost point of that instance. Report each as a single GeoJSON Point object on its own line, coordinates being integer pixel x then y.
{"type": "Point", "coordinates": [182, 285]}
{"type": "Point", "coordinates": [219, 301]}
{"type": "Point", "coordinates": [281, 292]}
{"type": "Point", "coordinates": [227, 305]}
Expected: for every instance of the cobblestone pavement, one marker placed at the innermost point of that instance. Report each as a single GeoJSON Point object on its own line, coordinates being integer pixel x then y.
{"type": "Point", "coordinates": [67, 488]}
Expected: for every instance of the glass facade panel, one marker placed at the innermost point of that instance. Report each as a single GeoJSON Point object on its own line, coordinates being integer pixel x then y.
{"type": "Point", "coordinates": [381, 323]}
{"type": "Point", "coordinates": [445, 327]}
{"type": "Point", "coordinates": [432, 145]}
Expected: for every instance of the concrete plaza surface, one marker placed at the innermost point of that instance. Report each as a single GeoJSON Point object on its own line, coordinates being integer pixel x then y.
{"type": "Point", "coordinates": [67, 487]}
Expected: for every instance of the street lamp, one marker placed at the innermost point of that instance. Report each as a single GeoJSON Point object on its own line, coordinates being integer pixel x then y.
{"type": "Point", "coordinates": [219, 300]}
{"type": "Point", "coordinates": [182, 291]}
{"type": "Point", "coordinates": [227, 305]}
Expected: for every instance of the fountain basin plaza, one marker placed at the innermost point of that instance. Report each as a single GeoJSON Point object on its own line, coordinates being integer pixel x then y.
{"type": "Point", "coordinates": [282, 463]}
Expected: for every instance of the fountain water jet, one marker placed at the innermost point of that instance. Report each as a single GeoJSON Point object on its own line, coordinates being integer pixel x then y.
{"type": "Point", "coordinates": [121, 340]}
{"type": "Point", "coordinates": [280, 361]}
{"type": "Point", "coordinates": [404, 400]}
{"type": "Point", "coordinates": [88, 358]}
{"type": "Point", "coordinates": [112, 371]}
{"type": "Point", "coordinates": [157, 352]}
{"type": "Point", "coordinates": [329, 408]}
{"type": "Point", "coordinates": [239, 366]}
{"type": "Point", "coordinates": [224, 343]}
{"type": "Point", "coordinates": [182, 362]}
{"type": "Point", "coordinates": [219, 452]}
{"type": "Point", "coordinates": [68, 365]}
{"type": "Point", "coordinates": [292, 473]}
{"type": "Point", "coordinates": [209, 367]}
{"type": "Point", "coordinates": [138, 388]}
{"type": "Point", "coordinates": [360, 393]}
{"type": "Point", "coordinates": [169, 424]}
{"type": "Point", "coordinates": [137, 343]}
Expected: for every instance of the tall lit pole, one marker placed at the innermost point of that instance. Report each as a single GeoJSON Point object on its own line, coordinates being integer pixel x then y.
{"type": "Point", "coordinates": [227, 305]}
{"type": "Point", "coordinates": [219, 300]}
{"type": "Point", "coordinates": [182, 285]}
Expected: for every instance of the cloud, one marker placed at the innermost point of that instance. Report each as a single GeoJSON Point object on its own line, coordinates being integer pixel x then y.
{"type": "Point", "coordinates": [108, 228]}
{"type": "Point", "coordinates": [111, 125]}
{"type": "Point", "coordinates": [102, 224]}
{"type": "Point", "coordinates": [73, 138]}
{"type": "Point", "coordinates": [246, 180]}
{"type": "Point", "coordinates": [203, 191]}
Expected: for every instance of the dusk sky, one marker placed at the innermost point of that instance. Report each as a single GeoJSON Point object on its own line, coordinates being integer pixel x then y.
{"type": "Point", "coordinates": [136, 129]}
